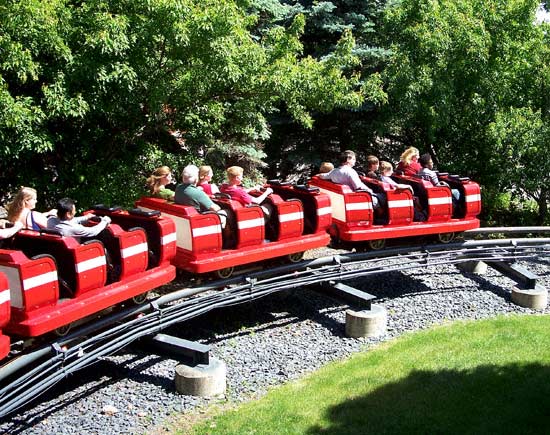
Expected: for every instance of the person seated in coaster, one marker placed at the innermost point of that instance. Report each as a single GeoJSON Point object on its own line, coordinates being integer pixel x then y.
{"type": "Point", "coordinates": [157, 182]}
{"type": "Point", "coordinates": [325, 168]}
{"type": "Point", "coordinates": [21, 210]}
{"type": "Point", "coordinates": [386, 171]}
{"type": "Point", "coordinates": [205, 178]}
{"type": "Point", "coordinates": [408, 163]}
{"type": "Point", "coordinates": [373, 165]}
{"type": "Point", "coordinates": [187, 193]}
{"type": "Point", "coordinates": [428, 173]}
{"type": "Point", "coordinates": [345, 174]}
{"type": "Point", "coordinates": [237, 192]}
{"type": "Point", "coordinates": [69, 225]}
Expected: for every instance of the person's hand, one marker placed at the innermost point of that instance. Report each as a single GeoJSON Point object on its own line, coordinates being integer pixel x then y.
{"type": "Point", "coordinates": [52, 212]}
{"type": "Point", "coordinates": [106, 219]}
{"type": "Point", "coordinates": [269, 190]}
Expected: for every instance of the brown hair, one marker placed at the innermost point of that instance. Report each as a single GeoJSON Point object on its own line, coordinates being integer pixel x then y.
{"type": "Point", "coordinates": [153, 182]}
{"type": "Point", "coordinates": [372, 160]}
{"type": "Point", "coordinates": [346, 155]}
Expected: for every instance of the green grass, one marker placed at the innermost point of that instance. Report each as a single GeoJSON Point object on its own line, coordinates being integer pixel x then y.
{"type": "Point", "coordinates": [489, 376]}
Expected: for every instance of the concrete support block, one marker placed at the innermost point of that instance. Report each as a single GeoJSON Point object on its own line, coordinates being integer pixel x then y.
{"type": "Point", "coordinates": [536, 298]}
{"type": "Point", "coordinates": [477, 267]}
{"type": "Point", "coordinates": [366, 323]}
{"type": "Point", "coordinates": [201, 380]}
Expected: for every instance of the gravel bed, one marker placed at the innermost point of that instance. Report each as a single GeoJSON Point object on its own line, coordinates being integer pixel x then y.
{"type": "Point", "coordinates": [264, 343]}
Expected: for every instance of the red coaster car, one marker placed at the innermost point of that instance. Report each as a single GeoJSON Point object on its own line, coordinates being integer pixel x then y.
{"type": "Point", "coordinates": [55, 280]}
{"type": "Point", "coordinates": [294, 228]}
{"type": "Point", "coordinates": [4, 314]}
{"type": "Point", "coordinates": [426, 210]}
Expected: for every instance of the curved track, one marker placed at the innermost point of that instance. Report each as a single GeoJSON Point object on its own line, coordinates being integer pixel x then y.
{"type": "Point", "coordinates": [30, 374]}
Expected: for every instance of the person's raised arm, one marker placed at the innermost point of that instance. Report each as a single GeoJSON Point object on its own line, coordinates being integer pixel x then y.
{"type": "Point", "coordinates": [263, 196]}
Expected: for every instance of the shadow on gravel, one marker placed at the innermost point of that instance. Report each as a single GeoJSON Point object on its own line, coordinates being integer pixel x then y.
{"type": "Point", "coordinates": [94, 379]}
{"type": "Point", "coordinates": [39, 409]}
{"type": "Point", "coordinates": [279, 309]}
{"type": "Point", "coordinates": [390, 285]}
{"type": "Point", "coordinates": [488, 399]}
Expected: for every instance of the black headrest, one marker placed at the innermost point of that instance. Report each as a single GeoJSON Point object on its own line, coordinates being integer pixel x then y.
{"type": "Point", "coordinates": [50, 231]}
{"type": "Point", "coordinates": [104, 207]}
{"type": "Point", "coordinates": [220, 195]}
{"type": "Point", "coordinates": [307, 188]}
{"type": "Point", "coordinates": [139, 212]}
{"type": "Point", "coordinates": [279, 183]}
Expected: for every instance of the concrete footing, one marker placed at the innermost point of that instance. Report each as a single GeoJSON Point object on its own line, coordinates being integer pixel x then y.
{"type": "Point", "coordinates": [201, 380]}
{"type": "Point", "coordinates": [536, 298]}
{"type": "Point", "coordinates": [477, 267]}
{"type": "Point", "coordinates": [366, 323]}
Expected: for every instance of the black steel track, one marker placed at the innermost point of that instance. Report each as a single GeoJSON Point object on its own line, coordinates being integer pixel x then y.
{"type": "Point", "coordinates": [29, 375]}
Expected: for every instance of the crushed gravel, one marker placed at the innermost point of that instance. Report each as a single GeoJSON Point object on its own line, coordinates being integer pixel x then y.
{"type": "Point", "coordinates": [264, 343]}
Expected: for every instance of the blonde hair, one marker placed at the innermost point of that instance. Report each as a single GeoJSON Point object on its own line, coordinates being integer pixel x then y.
{"type": "Point", "coordinates": [153, 182]}
{"type": "Point", "coordinates": [18, 204]}
{"type": "Point", "coordinates": [408, 155]}
{"type": "Point", "coordinates": [234, 171]}
{"type": "Point", "coordinates": [204, 171]}
{"type": "Point", "coordinates": [385, 166]}
{"type": "Point", "coordinates": [325, 167]}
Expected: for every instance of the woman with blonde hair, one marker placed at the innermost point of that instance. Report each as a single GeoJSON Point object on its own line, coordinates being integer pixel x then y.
{"type": "Point", "coordinates": [408, 164]}
{"type": "Point", "coordinates": [205, 176]}
{"type": "Point", "coordinates": [22, 210]}
{"type": "Point", "coordinates": [157, 181]}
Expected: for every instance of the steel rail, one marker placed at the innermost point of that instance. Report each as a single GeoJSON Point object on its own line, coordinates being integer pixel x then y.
{"type": "Point", "coordinates": [164, 311]}
{"type": "Point", "coordinates": [507, 230]}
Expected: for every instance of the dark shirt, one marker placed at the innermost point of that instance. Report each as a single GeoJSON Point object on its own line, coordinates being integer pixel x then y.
{"type": "Point", "coordinates": [189, 194]}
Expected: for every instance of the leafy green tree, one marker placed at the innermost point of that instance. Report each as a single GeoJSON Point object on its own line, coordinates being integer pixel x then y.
{"type": "Point", "coordinates": [294, 149]}
{"type": "Point", "coordinates": [463, 78]}
{"type": "Point", "coordinates": [90, 90]}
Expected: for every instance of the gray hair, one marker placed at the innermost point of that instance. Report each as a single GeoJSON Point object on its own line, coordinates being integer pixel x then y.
{"type": "Point", "coordinates": [190, 174]}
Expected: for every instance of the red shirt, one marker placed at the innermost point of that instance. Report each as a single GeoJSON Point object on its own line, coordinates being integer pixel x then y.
{"type": "Point", "coordinates": [410, 169]}
{"type": "Point", "coordinates": [207, 188]}
{"type": "Point", "coordinates": [237, 193]}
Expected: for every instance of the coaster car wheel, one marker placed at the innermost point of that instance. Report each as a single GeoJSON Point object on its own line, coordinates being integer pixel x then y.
{"type": "Point", "coordinates": [295, 257]}
{"type": "Point", "coordinates": [62, 331]}
{"type": "Point", "coordinates": [377, 244]}
{"type": "Point", "coordinates": [141, 298]}
{"type": "Point", "coordinates": [225, 273]}
{"type": "Point", "coordinates": [445, 237]}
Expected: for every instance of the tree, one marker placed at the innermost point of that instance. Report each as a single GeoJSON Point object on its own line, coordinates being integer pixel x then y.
{"type": "Point", "coordinates": [294, 149]}
{"type": "Point", "coordinates": [93, 94]}
{"type": "Point", "coordinates": [463, 76]}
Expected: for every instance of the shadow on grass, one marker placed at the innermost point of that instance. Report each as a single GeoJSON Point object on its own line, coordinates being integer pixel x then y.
{"type": "Point", "coordinates": [510, 399]}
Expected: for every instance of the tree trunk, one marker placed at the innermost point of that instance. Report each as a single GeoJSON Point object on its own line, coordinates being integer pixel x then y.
{"type": "Point", "coordinates": [543, 205]}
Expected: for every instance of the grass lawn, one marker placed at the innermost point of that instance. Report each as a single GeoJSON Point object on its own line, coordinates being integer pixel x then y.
{"type": "Point", "coordinates": [490, 376]}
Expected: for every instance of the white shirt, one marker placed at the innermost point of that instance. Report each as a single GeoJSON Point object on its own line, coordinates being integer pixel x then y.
{"type": "Point", "coordinates": [345, 174]}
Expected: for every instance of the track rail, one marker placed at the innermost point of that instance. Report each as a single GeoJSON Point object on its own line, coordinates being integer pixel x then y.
{"type": "Point", "coordinates": [29, 375]}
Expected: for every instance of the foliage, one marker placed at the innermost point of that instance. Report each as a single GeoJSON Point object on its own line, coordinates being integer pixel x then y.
{"type": "Point", "coordinates": [468, 80]}
{"type": "Point", "coordinates": [86, 88]}
{"type": "Point", "coordinates": [296, 150]}
{"type": "Point", "coordinates": [421, 383]}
